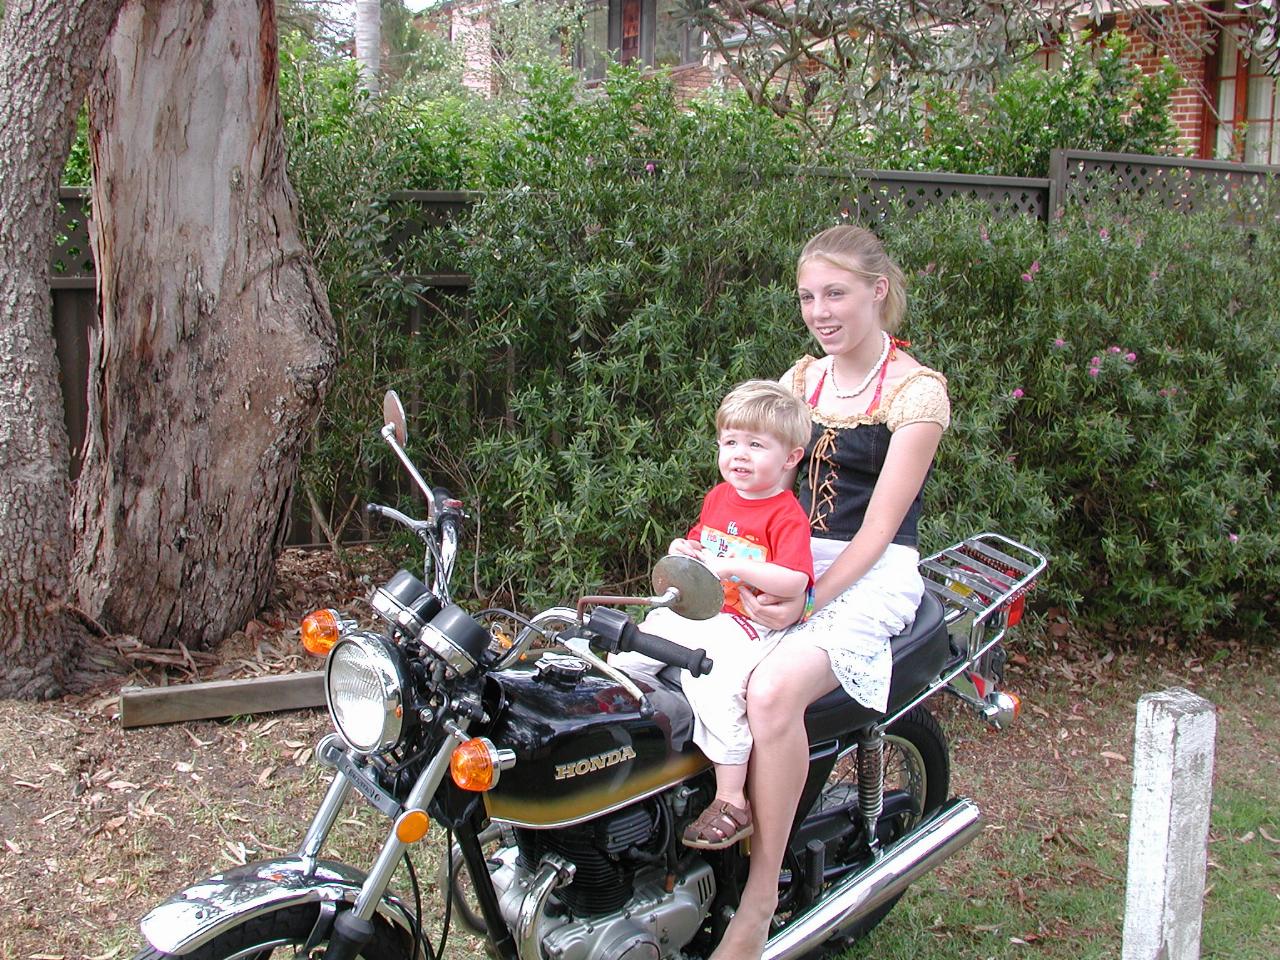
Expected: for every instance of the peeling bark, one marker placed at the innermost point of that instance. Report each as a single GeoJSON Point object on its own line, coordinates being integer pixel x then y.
{"type": "Point", "coordinates": [47, 52]}
{"type": "Point", "coordinates": [216, 342]}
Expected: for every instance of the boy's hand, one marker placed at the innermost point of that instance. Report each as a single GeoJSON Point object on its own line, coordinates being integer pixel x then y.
{"type": "Point", "coordinates": [720, 566]}
{"type": "Point", "coordinates": [686, 548]}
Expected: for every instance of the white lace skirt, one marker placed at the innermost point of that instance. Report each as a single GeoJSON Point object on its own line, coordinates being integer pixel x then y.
{"type": "Point", "coordinates": [855, 628]}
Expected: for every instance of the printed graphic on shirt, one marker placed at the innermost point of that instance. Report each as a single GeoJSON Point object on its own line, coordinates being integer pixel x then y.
{"type": "Point", "coordinates": [727, 543]}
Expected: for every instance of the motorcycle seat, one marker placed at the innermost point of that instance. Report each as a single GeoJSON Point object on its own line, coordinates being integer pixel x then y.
{"type": "Point", "coordinates": [919, 654]}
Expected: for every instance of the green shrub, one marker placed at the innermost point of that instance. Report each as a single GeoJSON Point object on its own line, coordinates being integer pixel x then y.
{"type": "Point", "coordinates": [632, 260]}
{"type": "Point", "coordinates": [1117, 394]}
{"type": "Point", "coordinates": [631, 263]}
{"type": "Point", "coordinates": [1099, 99]}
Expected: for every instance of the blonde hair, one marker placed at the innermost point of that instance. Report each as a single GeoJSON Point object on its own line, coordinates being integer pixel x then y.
{"type": "Point", "coordinates": [766, 407]}
{"type": "Point", "coordinates": [860, 252]}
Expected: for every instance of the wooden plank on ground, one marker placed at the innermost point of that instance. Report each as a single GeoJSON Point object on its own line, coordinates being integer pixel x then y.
{"type": "Point", "coordinates": [142, 706]}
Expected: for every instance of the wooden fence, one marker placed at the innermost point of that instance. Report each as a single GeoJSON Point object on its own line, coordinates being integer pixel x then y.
{"type": "Point", "coordinates": [1075, 177]}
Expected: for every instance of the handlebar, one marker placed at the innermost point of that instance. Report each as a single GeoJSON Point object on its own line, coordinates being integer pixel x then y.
{"type": "Point", "coordinates": [695, 661]}
{"type": "Point", "coordinates": [391, 513]}
{"type": "Point", "coordinates": [618, 632]}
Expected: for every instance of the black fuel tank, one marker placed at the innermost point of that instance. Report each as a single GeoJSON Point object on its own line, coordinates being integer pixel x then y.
{"type": "Point", "coordinates": [583, 744]}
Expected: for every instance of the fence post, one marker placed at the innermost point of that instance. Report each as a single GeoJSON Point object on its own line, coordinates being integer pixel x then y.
{"type": "Point", "coordinates": [1057, 183]}
{"type": "Point", "coordinates": [1169, 825]}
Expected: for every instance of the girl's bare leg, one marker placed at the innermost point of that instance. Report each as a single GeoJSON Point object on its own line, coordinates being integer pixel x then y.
{"type": "Point", "coordinates": [782, 686]}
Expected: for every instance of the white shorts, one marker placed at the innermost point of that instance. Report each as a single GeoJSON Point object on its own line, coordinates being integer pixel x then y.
{"type": "Point", "coordinates": [856, 626]}
{"type": "Point", "coordinates": [718, 698]}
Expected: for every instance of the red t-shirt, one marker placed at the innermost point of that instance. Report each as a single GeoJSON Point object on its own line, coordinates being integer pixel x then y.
{"type": "Point", "coordinates": [774, 530]}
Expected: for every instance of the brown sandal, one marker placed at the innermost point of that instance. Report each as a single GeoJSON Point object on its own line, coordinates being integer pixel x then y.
{"type": "Point", "coordinates": [720, 825]}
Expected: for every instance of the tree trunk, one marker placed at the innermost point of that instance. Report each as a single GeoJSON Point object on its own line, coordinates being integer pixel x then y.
{"type": "Point", "coordinates": [217, 344]}
{"type": "Point", "coordinates": [369, 43]}
{"type": "Point", "coordinates": [47, 52]}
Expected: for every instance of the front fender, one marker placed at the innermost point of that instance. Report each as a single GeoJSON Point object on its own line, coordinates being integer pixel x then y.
{"type": "Point", "coordinates": [194, 916]}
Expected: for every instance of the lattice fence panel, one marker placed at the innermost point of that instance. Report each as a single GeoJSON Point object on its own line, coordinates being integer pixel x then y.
{"type": "Point", "coordinates": [71, 261]}
{"type": "Point", "coordinates": [882, 196]}
{"type": "Point", "coordinates": [1250, 193]}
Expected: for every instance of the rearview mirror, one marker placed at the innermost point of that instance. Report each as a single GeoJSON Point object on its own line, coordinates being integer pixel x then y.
{"type": "Point", "coordinates": [699, 595]}
{"type": "Point", "coordinates": [393, 416]}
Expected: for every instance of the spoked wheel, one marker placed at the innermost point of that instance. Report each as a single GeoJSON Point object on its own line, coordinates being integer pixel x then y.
{"type": "Point", "coordinates": [917, 777]}
{"type": "Point", "coordinates": [279, 935]}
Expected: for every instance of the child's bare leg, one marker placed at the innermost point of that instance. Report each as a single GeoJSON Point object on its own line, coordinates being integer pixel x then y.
{"type": "Point", "coordinates": [731, 783]}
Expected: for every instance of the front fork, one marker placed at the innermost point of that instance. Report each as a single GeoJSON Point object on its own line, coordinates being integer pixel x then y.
{"type": "Point", "coordinates": [353, 928]}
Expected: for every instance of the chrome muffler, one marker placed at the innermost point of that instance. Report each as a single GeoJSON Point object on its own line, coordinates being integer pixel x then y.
{"type": "Point", "coordinates": [896, 867]}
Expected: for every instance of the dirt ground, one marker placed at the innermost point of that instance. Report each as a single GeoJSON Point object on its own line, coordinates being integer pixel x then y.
{"type": "Point", "coordinates": [98, 824]}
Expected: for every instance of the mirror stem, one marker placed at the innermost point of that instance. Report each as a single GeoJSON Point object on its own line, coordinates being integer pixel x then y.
{"type": "Point", "coordinates": [389, 435]}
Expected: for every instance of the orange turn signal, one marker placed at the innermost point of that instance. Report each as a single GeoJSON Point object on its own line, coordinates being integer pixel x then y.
{"type": "Point", "coordinates": [1017, 704]}
{"type": "Point", "coordinates": [474, 765]}
{"type": "Point", "coordinates": [412, 826]}
{"type": "Point", "coordinates": [320, 631]}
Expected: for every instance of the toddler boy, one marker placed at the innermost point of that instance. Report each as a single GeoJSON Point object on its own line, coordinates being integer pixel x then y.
{"type": "Point", "coordinates": [752, 531]}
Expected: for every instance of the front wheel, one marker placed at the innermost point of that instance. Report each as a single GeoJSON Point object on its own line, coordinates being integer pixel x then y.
{"type": "Point", "coordinates": [278, 935]}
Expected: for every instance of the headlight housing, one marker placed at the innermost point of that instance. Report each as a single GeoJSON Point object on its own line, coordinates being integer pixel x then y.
{"type": "Point", "coordinates": [365, 682]}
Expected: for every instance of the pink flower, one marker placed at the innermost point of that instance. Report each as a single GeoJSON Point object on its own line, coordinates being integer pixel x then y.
{"type": "Point", "coordinates": [1113, 349]}
{"type": "Point", "coordinates": [1017, 393]}
{"type": "Point", "coordinates": [1130, 357]}
{"type": "Point", "coordinates": [649, 167]}
{"type": "Point", "coordinates": [1093, 371]}
{"type": "Point", "coordinates": [1095, 361]}
{"type": "Point", "coordinates": [1232, 537]}
{"type": "Point", "coordinates": [1104, 234]}
{"type": "Point", "coordinates": [1059, 343]}
{"type": "Point", "coordinates": [982, 232]}
{"type": "Point", "coordinates": [1035, 267]}
{"type": "Point", "coordinates": [1027, 277]}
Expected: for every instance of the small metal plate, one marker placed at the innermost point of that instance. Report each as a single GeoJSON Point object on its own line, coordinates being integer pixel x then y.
{"type": "Point", "coordinates": [701, 595]}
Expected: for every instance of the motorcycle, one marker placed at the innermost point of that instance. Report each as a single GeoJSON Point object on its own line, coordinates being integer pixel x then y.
{"type": "Point", "coordinates": [563, 785]}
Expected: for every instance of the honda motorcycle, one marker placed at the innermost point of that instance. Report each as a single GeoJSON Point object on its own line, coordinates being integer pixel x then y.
{"type": "Point", "coordinates": [559, 787]}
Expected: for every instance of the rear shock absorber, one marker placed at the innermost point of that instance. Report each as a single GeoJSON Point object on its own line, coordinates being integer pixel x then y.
{"type": "Point", "coordinates": [871, 783]}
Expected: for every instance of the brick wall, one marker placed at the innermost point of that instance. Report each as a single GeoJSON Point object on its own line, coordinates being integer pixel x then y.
{"type": "Point", "coordinates": [1190, 101]}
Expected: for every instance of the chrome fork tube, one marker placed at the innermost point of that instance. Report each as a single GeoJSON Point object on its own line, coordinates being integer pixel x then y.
{"type": "Point", "coordinates": [389, 857]}
{"type": "Point", "coordinates": [324, 819]}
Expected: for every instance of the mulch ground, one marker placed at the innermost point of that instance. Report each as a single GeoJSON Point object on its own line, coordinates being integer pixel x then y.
{"type": "Point", "coordinates": [98, 824]}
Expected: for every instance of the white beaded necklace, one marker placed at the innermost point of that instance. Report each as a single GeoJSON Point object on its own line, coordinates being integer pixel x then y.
{"type": "Point", "coordinates": [871, 374]}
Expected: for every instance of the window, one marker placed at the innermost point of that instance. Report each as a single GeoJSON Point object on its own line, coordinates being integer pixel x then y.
{"type": "Point", "coordinates": [648, 31]}
{"type": "Point", "coordinates": [1247, 104]}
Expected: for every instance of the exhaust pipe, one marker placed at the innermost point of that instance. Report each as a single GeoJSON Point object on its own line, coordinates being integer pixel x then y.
{"type": "Point", "coordinates": [895, 868]}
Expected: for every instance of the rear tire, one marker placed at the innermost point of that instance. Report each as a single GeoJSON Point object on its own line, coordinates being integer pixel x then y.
{"type": "Point", "coordinates": [258, 938]}
{"type": "Point", "coordinates": [917, 766]}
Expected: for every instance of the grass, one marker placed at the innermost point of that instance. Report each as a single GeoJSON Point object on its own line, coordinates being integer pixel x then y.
{"type": "Point", "coordinates": [1048, 876]}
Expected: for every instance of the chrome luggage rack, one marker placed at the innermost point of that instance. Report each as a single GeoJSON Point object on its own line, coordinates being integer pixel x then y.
{"type": "Point", "coordinates": [978, 581]}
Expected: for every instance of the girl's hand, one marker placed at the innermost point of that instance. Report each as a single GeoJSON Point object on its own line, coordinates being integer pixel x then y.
{"type": "Point", "coordinates": [770, 611]}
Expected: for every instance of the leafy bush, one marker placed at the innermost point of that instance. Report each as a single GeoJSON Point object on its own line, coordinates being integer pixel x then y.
{"type": "Point", "coordinates": [347, 155]}
{"type": "Point", "coordinates": [632, 260]}
{"type": "Point", "coordinates": [1117, 394]}
{"type": "Point", "coordinates": [1099, 99]}
{"type": "Point", "coordinates": [631, 263]}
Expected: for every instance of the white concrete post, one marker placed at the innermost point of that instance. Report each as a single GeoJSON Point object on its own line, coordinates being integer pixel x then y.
{"type": "Point", "coordinates": [1169, 826]}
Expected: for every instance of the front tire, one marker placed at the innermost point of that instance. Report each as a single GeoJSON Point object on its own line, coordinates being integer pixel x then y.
{"type": "Point", "coordinates": [275, 935]}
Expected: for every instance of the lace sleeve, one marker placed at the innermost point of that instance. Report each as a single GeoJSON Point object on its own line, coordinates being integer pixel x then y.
{"type": "Point", "coordinates": [920, 398]}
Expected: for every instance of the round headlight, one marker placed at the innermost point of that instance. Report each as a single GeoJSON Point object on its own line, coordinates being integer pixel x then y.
{"type": "Point", "coordinates": [365, 686]}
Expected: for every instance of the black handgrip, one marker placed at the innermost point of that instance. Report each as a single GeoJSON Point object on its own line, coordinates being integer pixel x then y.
{"type": "Point", "coordinates": [615, 631]}
{"type": "Point", "coordinates": [695, 661]}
